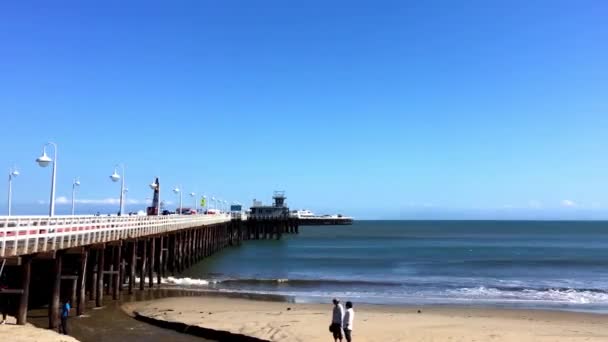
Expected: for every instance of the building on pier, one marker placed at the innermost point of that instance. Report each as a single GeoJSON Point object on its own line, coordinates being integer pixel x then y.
{"type": "Point", "coordinates": [278, 209]}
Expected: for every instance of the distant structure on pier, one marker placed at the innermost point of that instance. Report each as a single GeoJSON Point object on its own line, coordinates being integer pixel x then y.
{"type": "Point", "coordinates": [277, 210]}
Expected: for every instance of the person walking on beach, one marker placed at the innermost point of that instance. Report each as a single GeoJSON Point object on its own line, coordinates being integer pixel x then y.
{"type": "Point", "coordinates": [336, 320]}
{"type": "Point", "coordinates": [347, 324]}
{"type": "Point", "coordinates": [5, 300]}
{"type": "Point", "coordinates": [65, 313]}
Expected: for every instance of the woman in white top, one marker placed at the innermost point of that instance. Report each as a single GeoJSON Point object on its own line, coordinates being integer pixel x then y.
{"type": "Point", "coordinates": [347, 324]}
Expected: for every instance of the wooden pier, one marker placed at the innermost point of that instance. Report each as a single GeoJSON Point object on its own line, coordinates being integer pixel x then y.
{"type": "Point", "coordinates": [47, 260]}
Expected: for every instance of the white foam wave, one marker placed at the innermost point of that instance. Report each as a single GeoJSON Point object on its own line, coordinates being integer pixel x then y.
{"type": "Point", "coordinates": [570, 296]}
{"type": "Point", "coordinates": [187, 281]}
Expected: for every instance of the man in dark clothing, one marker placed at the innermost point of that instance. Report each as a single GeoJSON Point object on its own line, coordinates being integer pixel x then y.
{"type": "Point", "coordinates": [65, 313]}
{"type": "Point", "coordinates": [336, 320]}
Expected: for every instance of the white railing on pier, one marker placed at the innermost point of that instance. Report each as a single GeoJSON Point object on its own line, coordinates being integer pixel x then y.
{"type": "Point", "coordinates": [20, 235]}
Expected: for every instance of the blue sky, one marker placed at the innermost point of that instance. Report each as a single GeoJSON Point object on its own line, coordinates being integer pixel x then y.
{"type": "Point", "coordinates": [383, 109]}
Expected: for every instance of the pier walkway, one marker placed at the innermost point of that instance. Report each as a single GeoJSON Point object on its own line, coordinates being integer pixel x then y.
{"type": "Point", "coordinates": [21, 235]}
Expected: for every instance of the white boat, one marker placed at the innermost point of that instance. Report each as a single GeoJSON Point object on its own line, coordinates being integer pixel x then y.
{"type": "Point", "coordinates": [307, 214]}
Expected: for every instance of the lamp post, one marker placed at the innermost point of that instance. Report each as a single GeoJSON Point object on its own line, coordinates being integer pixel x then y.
{"type": "Point", "coordinates": [178, 190]}
{"type": "Point", "coordinates": [193, 195]}
{"type": "Point", "coordinates": [75, 184]}
{"type": "Point", "coordinates": [213, 201]}
{"type": "Point", "coordinates": [115, 177]}
{"type": "Point", "coordinates": [12, 173]}
{"type": "Point", "coordinates": [124, 199]}
{"type": "Point", "coordinates": [44, 161]}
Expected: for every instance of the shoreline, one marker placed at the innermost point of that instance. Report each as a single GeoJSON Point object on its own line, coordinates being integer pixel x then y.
{"type": "Point", "coordinates": [256, 319]}
{"type": "Point", "coordinates": [430, 303]}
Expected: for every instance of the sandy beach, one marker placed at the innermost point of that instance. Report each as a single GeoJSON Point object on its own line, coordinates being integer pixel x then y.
{"type": "Point", "coordinates": [28, 333]}
{"type": "Point", "coordinates": [276, 321]}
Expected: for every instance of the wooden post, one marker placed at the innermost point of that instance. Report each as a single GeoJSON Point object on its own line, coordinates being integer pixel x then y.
{"type": "Point", "coordinates": [176, 242]}
{"type": "Point", "coordinates": [73, 288]}
{"type": "Point", "coordinates": [180, 252]}
{"type": "Point", "coordinates": [142, 270]}
{"type": "Point", "coordinates": [123, 269]}
{"type": "Point", "coordinates": [152, 256]}
{"type": "Point", "coordinates": [132, 265]}
{"type": "Point", "coordinates": [116, 277]}
{"type": "Point", "coordinates": [54, 303]}
{"type": "Point", "coordinates": [173, 250]}
{"type": "Point", "coordinates": [81, 292]}
{"type": "Point", "coordinates": [188, 248]}
{"type": "Point", "coordinates": [26, 266]}
{"type": "Point", "coordinates": [99, 286]}
{"type": "Point", "coordinates": [93, 274]}
{"type": "Point", "coordinates": [111, 275]}
{"type": "Point", "coordinates": [197, 244]}
{"type": "Point", "coordinates": [160, 271]}
{"type": "Point", "coordinates": [205, 239]}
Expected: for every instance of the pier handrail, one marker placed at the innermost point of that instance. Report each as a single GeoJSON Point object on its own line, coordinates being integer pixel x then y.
{"type": "Point", "coordinates": [21, 235]}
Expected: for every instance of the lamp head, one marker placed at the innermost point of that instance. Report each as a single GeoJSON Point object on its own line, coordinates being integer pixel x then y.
{"type": "Point", "coordinates": [44, 159]}
{"type": "Point", "coordinates": [115, 177]}
{"type": "Point", "coordinates": [176, 190]}
{"type": "Point", "coordinates": [14, 173]}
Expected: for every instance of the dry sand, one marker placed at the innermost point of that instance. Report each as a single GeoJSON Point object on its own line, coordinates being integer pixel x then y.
{"type": "Point", "coordinates": [27, 333]}
{"type": "Point", "coordinates": [277, 321]}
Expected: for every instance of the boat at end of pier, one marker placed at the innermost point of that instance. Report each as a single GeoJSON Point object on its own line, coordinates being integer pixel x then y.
{"type": "Point", "coordinates": [307, 217]}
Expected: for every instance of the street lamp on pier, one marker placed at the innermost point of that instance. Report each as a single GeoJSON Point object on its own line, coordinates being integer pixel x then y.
{"type": "Point", "coordinates": [178, 190]}
{"type": "Point", "coordinates": [193, 195]}
{"type": "Point", "coordinates": [12, 173]}
{"type": "Point", "coordinates": [75, 184]}
{"type": "Point", "coordinates": [44, 160]}
{"type": "Point", "coordinates": [115, 177]}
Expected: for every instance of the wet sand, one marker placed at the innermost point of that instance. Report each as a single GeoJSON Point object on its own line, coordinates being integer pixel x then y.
{"type": "Point", "coordinates": [111, 324]}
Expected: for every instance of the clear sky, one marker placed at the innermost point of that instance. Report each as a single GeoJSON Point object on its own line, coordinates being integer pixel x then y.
{"type": "Point", "coordinates": [378, 109]}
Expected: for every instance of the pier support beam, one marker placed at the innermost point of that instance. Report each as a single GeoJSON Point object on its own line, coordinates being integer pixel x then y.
{"type": "Point", "coordinates": [116, 277]}
{"type": "Point", "coordinates": [82, 276]}
{"type": "Point", "coordinates": [132, 265]}
{"type": "Point", "coordinates": [152, 256]}
{"type": "Point", "coordinates": [26, 267]}
{"type": "Point", "coordinates": [54, 300]}
{"type": "Point", "coordinates": [142, 270]}
{"type": "Point", "coordinates": [161, 250]}
{"type": "Point", "coordinates": [99, 286]}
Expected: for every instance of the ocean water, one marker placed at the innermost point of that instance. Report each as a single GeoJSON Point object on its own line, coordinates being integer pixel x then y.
{"type": "Point", "coordinates": [557, 265]}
